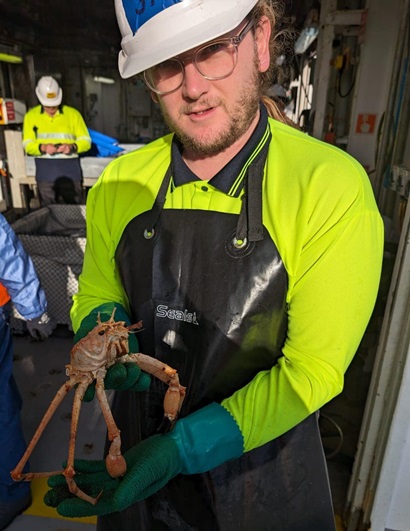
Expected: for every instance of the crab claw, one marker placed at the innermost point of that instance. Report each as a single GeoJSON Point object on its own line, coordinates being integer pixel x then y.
{"type": "Point", "coordinates": [116, 465]}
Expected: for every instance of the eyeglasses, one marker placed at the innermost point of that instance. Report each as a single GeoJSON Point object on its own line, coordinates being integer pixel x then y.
{"type": "Point", "coordinates": [215, 60]}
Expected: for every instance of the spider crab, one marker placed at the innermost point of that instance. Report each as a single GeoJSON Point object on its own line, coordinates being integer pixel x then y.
{"type": "Point", "coordinates": [105, 345]}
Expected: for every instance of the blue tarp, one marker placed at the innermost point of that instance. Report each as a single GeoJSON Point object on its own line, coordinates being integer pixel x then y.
{"type": "Point", "coordinates": [102, 145]}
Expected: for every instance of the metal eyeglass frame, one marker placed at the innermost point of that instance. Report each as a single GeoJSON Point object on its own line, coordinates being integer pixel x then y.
{"type": "Point", "coordinates": [236, 41]}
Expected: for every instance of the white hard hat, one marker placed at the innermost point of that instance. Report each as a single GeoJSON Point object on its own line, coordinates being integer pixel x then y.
{"type": "Point", "coordinates": [155, 31]}
{"type": "Point", "coordinates": [49, 92]}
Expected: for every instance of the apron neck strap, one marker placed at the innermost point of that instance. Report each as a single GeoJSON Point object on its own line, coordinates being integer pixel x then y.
{"type": "Point", "coordinates": [159, 200]}
{"type": "Point", "coordinates": [250, 225]}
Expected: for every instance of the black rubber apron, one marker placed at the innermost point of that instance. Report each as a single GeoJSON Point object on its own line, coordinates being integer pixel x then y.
{"type": "Point", "coordinates": [214, 307]}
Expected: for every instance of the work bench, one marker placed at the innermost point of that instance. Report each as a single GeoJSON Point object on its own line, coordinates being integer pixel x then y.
{"type": "Point", "coordinates": [21, 168]}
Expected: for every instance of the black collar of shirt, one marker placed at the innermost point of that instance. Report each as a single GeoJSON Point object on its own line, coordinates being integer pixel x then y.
{"type": "Point", "coordinates": [225, 178]}
{"type": "Point", "coordinates": [60, 109]}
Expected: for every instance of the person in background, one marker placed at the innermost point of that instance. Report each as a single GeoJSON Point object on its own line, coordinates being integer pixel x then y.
{"type": "Point", "coordinates": [55, 135]}
{"type": "Point", "coordinates": [19, 287]}
{"type": "Point", "coordinates": [252, 254]}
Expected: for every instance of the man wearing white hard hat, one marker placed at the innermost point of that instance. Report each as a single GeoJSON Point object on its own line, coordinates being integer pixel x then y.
{"type": "Point", "coordinates": [55, 134]}
{"type": "Point", "coordinates": [251, 252]}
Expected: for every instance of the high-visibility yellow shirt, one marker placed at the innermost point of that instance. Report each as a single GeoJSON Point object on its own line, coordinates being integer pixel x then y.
{"type": "Point", "coordinates": [319, 209]}
{"type": "Point", "coordinates": [67, 126]}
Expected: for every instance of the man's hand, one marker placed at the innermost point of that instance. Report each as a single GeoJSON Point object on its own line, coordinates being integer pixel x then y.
{"type": "Point", "coordinates": [150, 465]}
{"type": "Point", "coordinates": [41, 327]}
{"type": "Point", "coordinates": [199, 442]}
{"type": "Point", "coordinates": [67, 149]}
{"type": "Point", "coordinates": [48, 149]}
{"type": "Point", "coordinates": [122, 377]}
{"type": "Point", "coordinates": [119, 377]}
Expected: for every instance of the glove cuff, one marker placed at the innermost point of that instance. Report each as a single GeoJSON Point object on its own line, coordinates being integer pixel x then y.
{"type": "Point", "coordinates": [105, 310]}
{"type": "Point", "coordinates": [207, 438]}
{"type": "Point", "coordinates": [41, 327]}
{"type": "Point", "coordinates": [42, 319]}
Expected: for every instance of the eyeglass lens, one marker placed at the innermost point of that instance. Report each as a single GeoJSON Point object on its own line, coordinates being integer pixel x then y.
{"type": "Point", "coordinates": [216, 60]}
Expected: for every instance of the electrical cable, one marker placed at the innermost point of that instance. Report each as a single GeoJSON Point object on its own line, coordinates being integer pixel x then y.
{"type": "Point", "coordinates": [339, 433]}
{"type": "Point", "coordinates": [339, 79]}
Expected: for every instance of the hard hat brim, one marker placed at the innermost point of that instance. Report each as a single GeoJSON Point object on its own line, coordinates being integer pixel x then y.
{"type": "Point", "coordinates": [177, 29]}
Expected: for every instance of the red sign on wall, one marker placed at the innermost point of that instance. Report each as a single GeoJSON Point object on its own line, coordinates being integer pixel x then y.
{"type": "Point", "coordinates": [7, 111]}
{"type": "Point", "coordinates": [366, 123]}
{"type": "Point", "coordinates": [11, 115]}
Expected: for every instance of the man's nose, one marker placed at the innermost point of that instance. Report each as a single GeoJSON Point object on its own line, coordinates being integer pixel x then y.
{"type": "Point", "coordinates": [194, 83]}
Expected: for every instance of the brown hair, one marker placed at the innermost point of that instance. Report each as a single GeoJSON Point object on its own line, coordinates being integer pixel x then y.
{"type": "Point", "coordinates": [281, 42]}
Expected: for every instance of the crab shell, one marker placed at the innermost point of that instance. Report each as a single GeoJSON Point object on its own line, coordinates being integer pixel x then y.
{"type": "Point", "coordinates": [100, 348]}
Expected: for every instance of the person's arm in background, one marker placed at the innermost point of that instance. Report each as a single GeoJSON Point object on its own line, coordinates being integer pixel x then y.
{"type": "Point", "coordinates": [19, 277]}
{"type": "Point", "coordinates": [31, 144]}
{"type": "Point", "coordinates": [82, 139]}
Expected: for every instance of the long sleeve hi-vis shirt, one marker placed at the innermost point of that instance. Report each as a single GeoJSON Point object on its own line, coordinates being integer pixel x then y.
{"type": "Point", "coordinates": [319, 210]}
{"type": "Point", "coordinates": [67, 126]}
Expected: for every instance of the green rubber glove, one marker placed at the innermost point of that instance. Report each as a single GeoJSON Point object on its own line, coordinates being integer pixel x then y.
{"type": "Point", "coordinates": [121, 376]}
{"type": "Point", "coordinates": [203, 440]}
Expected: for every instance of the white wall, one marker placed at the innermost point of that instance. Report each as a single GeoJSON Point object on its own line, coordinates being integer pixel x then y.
{"type": "Point", "coordinates": [391, 508]}
{"type": "Point", "coordinates": [103, 107]}
{"type": "Point", "coordinates": [379, 492]}
{"type": "Point", "coordinates": [374, 76]}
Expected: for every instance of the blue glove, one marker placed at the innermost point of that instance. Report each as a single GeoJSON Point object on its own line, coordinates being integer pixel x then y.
{"type": "Point", "coordinates": [41, 327]}
{"type": "Point", "coordinates": [121, 376]}
{"type": "Point", "coordinates": [199, 442]}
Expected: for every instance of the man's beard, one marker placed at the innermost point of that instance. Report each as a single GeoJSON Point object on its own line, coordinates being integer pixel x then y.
{"type": "Point", "coordinates": [241, 117]}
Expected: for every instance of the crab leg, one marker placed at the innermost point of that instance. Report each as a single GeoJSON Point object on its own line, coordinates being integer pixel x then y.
{"type": "Point", "coordinates": [69, 471]}
{"type": "Point", "coordinates": [175, 394]}
{"type": "Point", "coordinates": [106, 344]}
{"type": "Point", "coordinates": [17, 474]}
{"type": "Point", "coordinates": [115, 462]}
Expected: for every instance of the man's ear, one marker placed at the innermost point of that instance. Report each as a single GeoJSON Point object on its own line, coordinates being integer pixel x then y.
{"type": "Point", "coordinates": [262, 38]}
{"type": "Point", "coordinates": [154, 96]}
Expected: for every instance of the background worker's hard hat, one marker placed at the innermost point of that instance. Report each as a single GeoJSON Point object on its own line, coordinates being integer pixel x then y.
{"type": "Point", "coordinates": [155, 31]}
{"type": "Point", "coordinates": [49, 92]}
